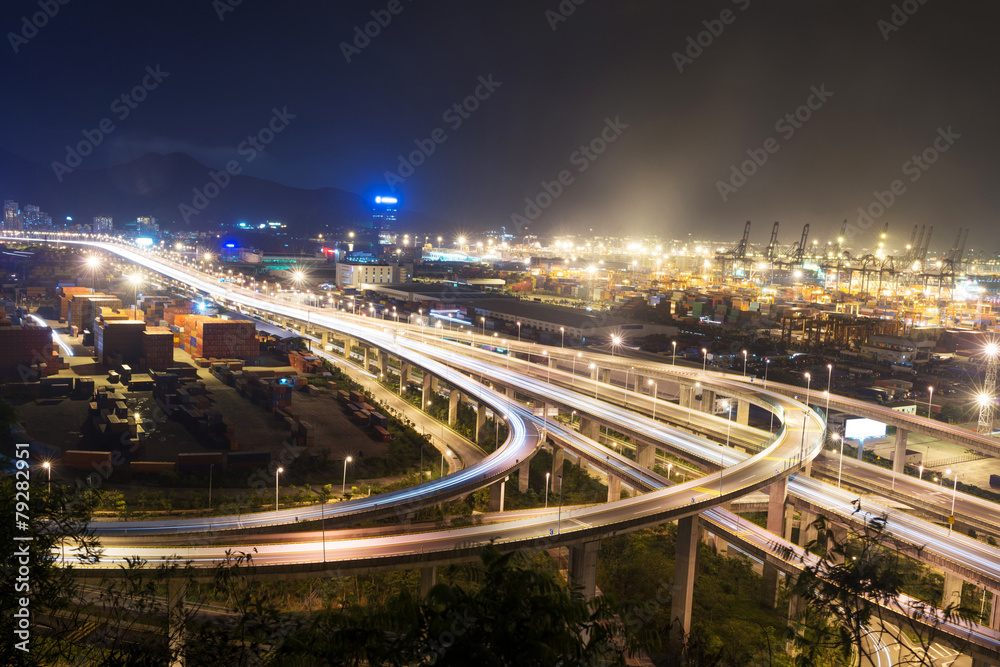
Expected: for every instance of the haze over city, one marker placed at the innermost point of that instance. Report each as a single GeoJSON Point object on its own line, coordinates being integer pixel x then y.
{"type": "Point", "coordinates": [459, 333]}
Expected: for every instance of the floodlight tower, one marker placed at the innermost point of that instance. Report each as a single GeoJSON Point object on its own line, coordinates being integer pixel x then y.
{"type": "Point", "coordinates": [986, 403]}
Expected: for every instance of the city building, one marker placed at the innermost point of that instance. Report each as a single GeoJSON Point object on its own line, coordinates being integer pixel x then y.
{"type": "Point", "coordinates": [103, 225]}
{"type": "Point", "coordinates": [384, 217]}
{"type": "Point", "coordinates": [358, 276]}
{"type": "Point", "coordinates": [11, 216]}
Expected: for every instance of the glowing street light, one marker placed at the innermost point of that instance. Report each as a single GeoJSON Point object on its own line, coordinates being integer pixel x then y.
{"type": "Point", "coordinates": [954, 492]}
{"type": "Point", "coordinates": [930, 397]}
{"type": "Point", "coordinates": [547, 489]}
{"type": "Point", "coordinates": [276, 473]}
{"type": "Point", "coordinates": [744, 364]}
{"type": "Point", "coordinates": [48, 468]}
{"type": "Point", "coordinates": [674, 343]}
{"type": "Point", "coordinates": [343, 485]}
{"type": "Point", "coordinates": [656, 395]}
{"type": "Point", "coordinates": [704, 358]}
{"type": "Point", "coordinates": [616, 341]}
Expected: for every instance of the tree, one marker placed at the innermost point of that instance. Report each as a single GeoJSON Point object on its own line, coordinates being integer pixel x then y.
{"type": "Point", "coordinates": [847, 595]}
{"type": "Point", "coordinates": [516, 613]}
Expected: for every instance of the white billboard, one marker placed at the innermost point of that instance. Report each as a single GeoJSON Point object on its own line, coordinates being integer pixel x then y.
{"type": "Point", "coordinates": [862, 429]}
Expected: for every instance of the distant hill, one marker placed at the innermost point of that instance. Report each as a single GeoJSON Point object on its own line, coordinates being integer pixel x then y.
{"type": "Point", "coordinates": [157, 185]}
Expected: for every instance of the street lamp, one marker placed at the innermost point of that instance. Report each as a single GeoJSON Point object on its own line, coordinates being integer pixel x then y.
{"type": "Point", "coordinates": [616, 340]}
{"type": "Point", "coordinates": [656, 393]}
{"type": "Point", "coordinates": [48, 468]}
{"type": "Point", "coordinates": [840, 472]}
{"type": "Point", "coordinates": [547, 489]}
{"type": "Point", "coordinates": [829, 387]}
{"type": "Point", "coordinates": [920, 468]}
{"type": "Point", "coordinates": [276, 473]}
{"type": "Point", "coordinates": [483, 320]}
{"type": "Point", "coordinates": [596, 382]}
{"type": "Point", "coordinates": [562, 335]}
{"type": "Point", "coordinates": [448, 452]}
{"type": "Point", "coordinates": [674, 362]}
{"type": "Point", "coordinates": [954, 492]}
{"type": "Point", "coordinates": [744, 364]}
{"type": "Point", "coordinates": [930, 397]}
{"type": "Point", "coordinates": [343, 484]}
{"type": "Point", "coordinates": [704, 358]}
{"type": "Point", "coordinates": [559, 518]}
{"type": "Point", "coordinates": [518, 333]}
{"type": "Point", "coordinates": [808, 382]}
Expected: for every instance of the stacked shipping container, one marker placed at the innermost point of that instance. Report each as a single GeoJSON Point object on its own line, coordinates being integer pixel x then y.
{"type": "Point", "coordinates": [25, 346]}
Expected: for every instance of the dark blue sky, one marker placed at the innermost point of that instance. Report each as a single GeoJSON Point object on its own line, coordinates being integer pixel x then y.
{"type": "Point", "coordinates": [557, 89]}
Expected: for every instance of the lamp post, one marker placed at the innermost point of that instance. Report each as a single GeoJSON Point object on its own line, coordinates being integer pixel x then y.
{"type": "Point", "coordinates": [840, 471]}
{"type": "Point", "coordinates": [808, 377]}
{"type": "Point", "coordinates": [616, 340]}
{"type": "Point", "coordinates": [562, 337]}
{"type": "Point", "coordinates": [954, 492]}
{"type": "Point", "coordinates": [547, 489]}
{"type": "Point", "coordinates": [656, 394]}
{"type": "Point", "coordinates": [518, 333]}
{"type": "Point", "coordinates": [596, 382]}
{"type": "Point", "coordinates": [744, 364]}
{"type": "Point", "coordinates": [48, 469]}
{"type": "Point", "coordinates": [767, 364]}
{"type": "Point", "coordinates": [930, 398]}
{"type": "Point", "coordinates": [343, 484]}
{"type": "Point", "coordinates": [578, 355]}
{"type": "Point", "coordinates": [674, 361]}
{"type": "Point", "coordinates": [920, 468]}
{"type": "Point", "coordinates": [482, 320]}
{"type": "Point", "coordinates": [276, 473]}
{"type": "Point", "coordinates": [559, 518]}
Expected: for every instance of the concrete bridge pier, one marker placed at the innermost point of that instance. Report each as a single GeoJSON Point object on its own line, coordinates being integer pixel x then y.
{"type": "Point", "coordinates": [685, 572]}
{"type": "Point", "coordinates": [685, 396]}
{"type": "Point", "coordinates": [428, 577]}
{"type": "Point", "coordinates": [522, 476]}
{"type": "Point", "coordinates": [558, 458]}
{"type": "Point", "coordinates": [899, 453]}
{"type": "Point", "coordinates": [589, 428]}
{"type": "Point", "coordinates": [383, 364]}
{"type": "Point", "coordinates": [426, 391]}
{"type": "Point", "coordinates": [481, 419]}
{"type": "Point", "coordinates": [176, 592]}
{"type": "Point", "coordinates": [708, 401]}
{"type": "Point", "coordinates": [324, 340]}
{"type": "Point", "coordinates": [645, 455]}
{"type": "Point", "coordinates": [498, 491]}
{"type": "Point", "coordinates": [604, 375]}
{"type": "Point", "coordinates": [952, 590]}
{"type": "Point", "coordinates": [807, 532]}
{"type": "Point", "coordinates": [404, 376]}
{"type": "Point", "coordinates": [453, 399]}
{"type": "Point", "coordinates": [995, 613]}
{"type": "Point", "coordinates": [743, 412]}
{"type": "Point", "coordinates": [614, 488]}
{"type": "Point", "coordinates": [777, 493]}
{"type": "Point", "coordinates": [796, 605]}
{"type": "Point", "coordinates": [583, 567]}
{"type": "Point", "coordinates": [367, 357]}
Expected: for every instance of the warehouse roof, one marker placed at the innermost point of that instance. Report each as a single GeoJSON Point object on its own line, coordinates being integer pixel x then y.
{"type": "Point", "coordinates": [266, 327]}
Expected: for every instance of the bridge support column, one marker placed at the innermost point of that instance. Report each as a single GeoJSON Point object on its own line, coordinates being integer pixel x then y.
{"type": "Point", "coordinates": [583, 567]}
{"type": "Point", "coordinates": [685, 572]}
{"type": "Point", "coordinates": [899, 453]}
{"type": "Point", "coordinates": [367, 358]}
{"type": "Point", "coordinates": [428, 577]}
{"type": "Point", "coordinates": [589, 429]}
{"type": "Point", "coordinates": [743, 412]}
{"type": "Point", "coordinates": [498, 491]}
{"type": "Point", "coordinates": [383, 364]}
{"type": "Point", "coordinates": [708, 401]}
{"type": "Point", "coordinates": [796, 605]}
{"type": "Point", "coordinates": [685, 396]}
{"type": "Point", "coordinates": [614, 488]}
{"type": "Point", "coordinates": [604, 375]}
{"type": "Point", "coordinates": [425, 395]}
{"type": "Point", "coordinates": [995, 614]}
{"type": "Point", "coordinates": [777, 493]}
{"type": "Point", "coordinates": [176, 592]}
{"type": "Point", "coordinates": [453, 399]}
{"type": "Point", "coordinates": [645, 455]}
{"type": "Point", "coordinates": [807, 532]}
{"type": "Point", "coordinates": [404, 376]}
{"type": "Point", "coordinates": [522, 476]}
{"type": "Point", "coordinates": [324, 340]}
{"type": "Point", "coordinates": [558, 458]}
{"type": "Point", "coordinates": [837, 534]}
{"type": "Point", "coordinates": [481, 419]}
{"type": "Point", "coordinates": [952, 590]}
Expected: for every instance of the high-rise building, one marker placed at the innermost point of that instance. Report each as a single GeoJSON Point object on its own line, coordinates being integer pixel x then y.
{"type": "Point", "coordinates": [147, 225]}
{"type": "Point", "coordinates": [384, 217]}
{"type": "Point", "coordinates": [32, 218]}
{"type": "Point", "coordinates": [12, 221]}
{"type": "Point", "coordinates": [103, 224]}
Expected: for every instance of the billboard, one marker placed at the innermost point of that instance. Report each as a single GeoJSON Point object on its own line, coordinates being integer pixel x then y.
{"type": "Point", "coordinates": [862, 429]}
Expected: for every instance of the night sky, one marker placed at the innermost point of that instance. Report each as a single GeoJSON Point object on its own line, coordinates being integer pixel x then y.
{"type": "Point", "coordinates": [608, 67]}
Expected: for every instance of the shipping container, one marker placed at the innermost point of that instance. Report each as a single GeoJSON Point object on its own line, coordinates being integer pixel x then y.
{"type": "Point", "coordinates": [362, 417]}
{"type": "Point", "coordinates": [379, 419]}
{"type": "Point", "coordinates": [84, 460]}
{"type": "Point", "coordinates": [382, 434]}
